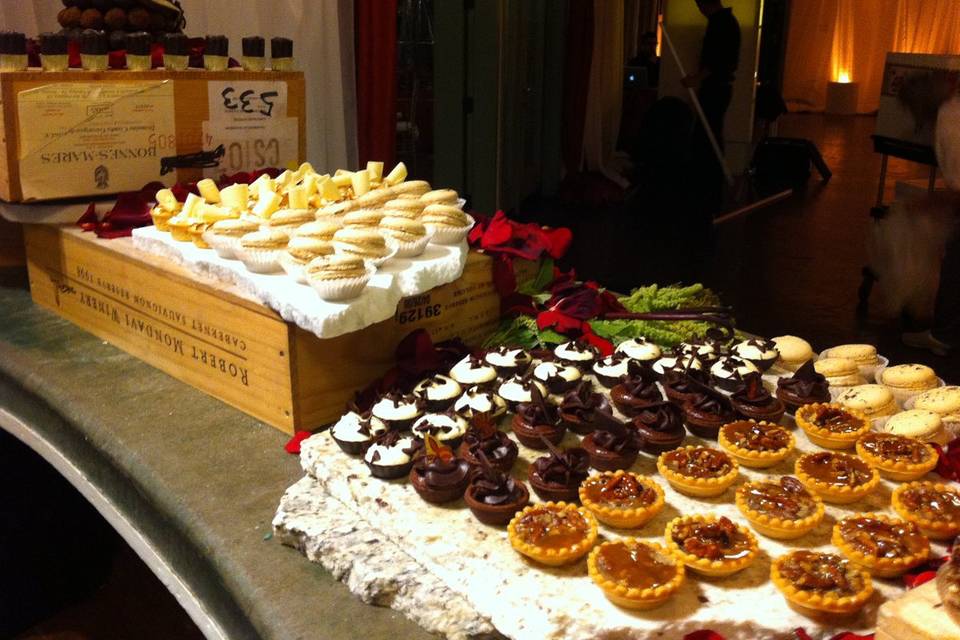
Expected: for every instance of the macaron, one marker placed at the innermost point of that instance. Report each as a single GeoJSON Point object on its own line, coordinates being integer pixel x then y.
{"type": "Point", "coordinates": [288, 219]}
{"type": "Point", "coordinates": [794, 352]}
{"type": "Point", "coordinates": [873, 400]}
{"type": "Point", "coordinates": [320, 229]}
{"type": "Point", "coordinates": [265, 239]}
{"type": "Point", "coordinates": [234, 227]}
{"type": "Point", "coordinates": [441, 196]}
{"type": "Point", "coordinates": [363, 218]}
{"type": "Point", "coordinates": [411, 187]}
{"type": "Point", "coordinates": [374, 199]}
{"type": "Point", "coordinates": [404, 207]}
{"type": "Point", "coordinates": [862, 354]}
{"type": "Point", "coordinates": [907, 380]}
{"type": "Point", "coordinates": [335, 267]}
{"type": "Point", "coordinates": [923, 425]}
{"type": "Point", "coordinates": [303, 250]}
{"type": "Point", "coordinates": [839, 372]}
{"type": "Point", "coordinates": [361, 241]}
{"type": "Point", "coordinates": [336, 209]}
{"type": "Point", "coordinates": [442, 215]}
{"type": "Point", "coordinates": [402, 229]}
{"type": "Point", "coordinates": [944, 401]}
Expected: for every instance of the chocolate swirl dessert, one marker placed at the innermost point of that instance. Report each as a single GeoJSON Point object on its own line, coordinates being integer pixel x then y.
{"type": "Point", "coordinates": [557, 475]}
{"type": "Point", "coordinates": [537, 419]}
{"type": "Point", "coordinates": [706, 412]}
{"type": "Point", "coordinates": [611, 445]}
{"type": "Point", "coordinates": [660, 426]}
{"type": "Point", "coordinates": [493, 496]}
{"type": "Point", "coordinates": [484, 438]}
{"type": "Point", "coordinates": [439, 476]}
{"type": "Point", "coordinates": [805, 386]}
{"type": "Point", "coordinates": [752, 400]}
{"type": "Point", "coordinates": [578, 405]}
{"type": "Point", "coordinates": [635, 391]}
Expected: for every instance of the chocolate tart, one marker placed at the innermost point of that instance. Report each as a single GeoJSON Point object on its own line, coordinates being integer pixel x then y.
{"type": "Point", "coordinates": [508, 361]}
{"type": "Point", "coordinates": [679, 386]}
{"type": "Point", "coordinates": [553, 533]}
{"type": "Point", "coordinates": [518, 389]}
{"type": "Point", "coordinates": [698, 471]}
{"type": "Point", "coordinates": [886, 547]}
{"type": "Point", "coordinates": [805, 386]}
{"type": "Point", "coordinates": [438, 476]}
{"type": "Point", "coordinates": [484, 438]}
{"type": "Point", "coordinates": [815, 583]}
{"type": "Point", "coordinates": [610, 369]}
{"type": "Point", "coordinates": [578, 406]}
{"type": "Point", "coordinates": [622, 499]}
{"type": "Point", "coordinates": [838, 478]}
{"type": "Point", "coordinates": [536, 420]}
{"type": "Point", "coordinates": [354, 432]}
{"type": "Point", "coordinates": [762, 353]}
{"type": "Point", "coordinates": [660, 427]}
{"type": "Point", "coordinates": [637, 390]}
{"type": "Point", "coordinates": [398, 411]}
{"type": "Point", "coordinates": [611, 445]}
{"type": "Point", "coordinates": [557, 377]}
{"type": "Point", "coordinates": [711, 545]}
{"type": "Point", "coordinates": [728, 372]}
{"type": "Point", "coordinates": [494, 497]}
{"type": "Point", "coordinates": [578, 353]}
{"type": "Point", "coordinates": [782, 510]}
{"type": "Point", "coordinates": [557, 475]}
{"type": "Point", "coordinates": [832, 426]}
{"type": "Point", "coordinates": [473, 371]}
{"type": "Point", "coordinates": [706, 412]}
{"type": "Point", "coordinates": [476, 401]}
{"type": "Point", "coordinates": [391, 455]}
{"type": "Point", "coordinates": [438, 392]}
{"type": "Point", "coordinates": [933, 506]}
{"type": "Point", "coordinates": [634, 574]}
{"type": "Point", "coordinates": [897, 457]}
{"type": "Point", "coordinates": [757, 445]}
{"type": "Point", "coordinates": [752, 401]}
{"type": "Point", "coordinates": [447, 428]}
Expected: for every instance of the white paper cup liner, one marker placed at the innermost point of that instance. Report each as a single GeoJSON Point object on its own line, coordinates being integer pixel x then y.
{"type": "Point", "coordinates": [342, 247]}
{"type": "Point", "coordinates": [906, 398]}
{"type": "Point", "coordinates": [872, 372]}
{"type": "Point", "coordinates": [449, 235]}
{"type": "Point", "coordinates": [342, 289]}
{"type": "Point", "coordinates": [225, 246]}
{"type": "Point", "coordinates": [410, 249]}
{"type": "Point", "coordinates": [260, 260]}
{"type": "Point", "coordinates": [461, 203]}
{"type": "Point", "coordinates": [293, 268]}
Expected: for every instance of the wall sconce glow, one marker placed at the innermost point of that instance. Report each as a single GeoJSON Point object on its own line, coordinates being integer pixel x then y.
{"type": "Point", "coordinates": [843, 77]}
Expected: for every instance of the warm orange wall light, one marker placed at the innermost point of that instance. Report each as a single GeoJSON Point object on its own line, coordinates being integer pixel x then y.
{"type": "Point", "coordinates": [841, 55]}
{"type": "Point", "coordinates": [843, 77]}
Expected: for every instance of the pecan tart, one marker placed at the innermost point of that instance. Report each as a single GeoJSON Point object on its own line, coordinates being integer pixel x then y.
{"type": "Point", "coordinates": [634, 574]}
{"type": "Point", "coordinates": [553, 533]}
{"type": "Point", "coordinates": [897, 457]}
{"type": "Point", "coordinates": [698, 471]}
{"type": "Point", "coordinates": [536, 420]}
{"type": "Point", "coordinates": [838, 478]}
{"type": "Point", "coordinates": [752, 401]}
{"type": "Point", "coordinates": [884, 546]}
{"type": "Point", "coordinates": [832, 426]}
{"type": "Point", "coordinates": [783, 510]}
{"type": "Point", "coordinates": [710, 545]}
{"type": "Point", "coordinates": [557, 475]}
{"type": "Point", "coordinates": [622, 499]}
{"type": "Point", "coordinates": [932, 506]}
{"type": "Point", "coordinates": [756, 444]}
{"type": "Point", "coordinates": [578, 405]}
{"type": "Point", "coordinates": [817, 583]}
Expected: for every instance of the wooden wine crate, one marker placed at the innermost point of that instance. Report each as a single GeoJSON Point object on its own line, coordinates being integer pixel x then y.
{"type": "Point", "coordinates": [11, 244]}
{"type": "Point", "coordinates": [83, 133]}
{"type": "Point", "coordinates": [224, 342]}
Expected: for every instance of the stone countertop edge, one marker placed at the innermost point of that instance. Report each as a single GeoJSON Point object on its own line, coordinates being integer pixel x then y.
{"type": "Point", "coordinates": [198, 479]}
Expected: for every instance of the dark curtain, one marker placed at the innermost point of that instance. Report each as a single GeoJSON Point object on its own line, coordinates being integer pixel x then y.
{"type": "Point", "coordinates": [376, 43]}
{"type": "Point", "coordinates": [576, 81]}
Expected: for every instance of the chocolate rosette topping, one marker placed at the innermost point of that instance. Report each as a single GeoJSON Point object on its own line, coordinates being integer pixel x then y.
{"type": "Point", "coordinates": [806, 384]}
{"type": "Point", "coordinates": [564, 468]}
{"type": "Point", "coordinates": [612, 435]}
{"type": "Point", "coordinates": [752, 392]}
{"type": "Point", "coordinates": [663, 417]}
{"type": "Point", "coordinates": [711, 403]}
{"type": "Point", "coordinates": [494, 487]}
{"type": "Point", "coordinates": [538, 411]}
{"type": "Point", "coordinates": [581, 401]}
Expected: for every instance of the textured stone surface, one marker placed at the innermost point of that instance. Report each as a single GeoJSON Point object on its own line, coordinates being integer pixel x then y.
{"type": "Point", "coordinates": [298, 303]}
{"type": "Point", "coordinates": [528, 601]}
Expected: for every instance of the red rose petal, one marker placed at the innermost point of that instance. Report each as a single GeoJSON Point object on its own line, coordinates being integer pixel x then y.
{"type": "Point", "coordinates": [293, 445]}
{"type": "Point", "coordinates": [802, 634]}
{"type": "Point", "coordinates": [704, 634]}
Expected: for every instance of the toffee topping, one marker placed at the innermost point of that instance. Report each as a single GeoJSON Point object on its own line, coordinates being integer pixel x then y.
{"type": "Point", "coordinates": [788, 500]}
{"type": "Point", "coordinates": [838, 469]}
{"type": "Point", "coordinates": [552, 528]}
{"type": "Point", "coordinates": [699, 462]}
{"type": "Point", "coordinates": [622, 491]}
{"type": "Point", "coordinates": [822, 573]}
{"type": "Point", "coordinates": [881, 539]}
{"type": "Point", "coordinates": [890, 446]}
{"type": "Point", "coordinates": [635, 566]}
{"type": "Point", "coordinates": [932, 504]}
{"type": "Point", "coordinates": [719, 540]}
{"type": "Point", "coordinates": [835, 419]}
{"type": "Point", "coordinates": [757, 437]}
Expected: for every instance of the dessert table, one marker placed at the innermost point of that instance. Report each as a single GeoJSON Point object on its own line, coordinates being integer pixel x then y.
{"type": "Point", "coordinates": [190, 483]}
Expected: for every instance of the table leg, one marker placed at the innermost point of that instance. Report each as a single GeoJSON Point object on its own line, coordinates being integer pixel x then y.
{"type": "Point", "coordinates": [883, 178]}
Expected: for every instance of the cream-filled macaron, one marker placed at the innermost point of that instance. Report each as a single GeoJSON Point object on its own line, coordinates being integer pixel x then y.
{"type": "Point", "coordinates": [873, 400]}
{"type": "Point", "coordinates": [444, 216]}
{"type": "Point", "coordinates": [839, 372]}
{"type": "Point", "coordinates": [402, 230]}
{"type": "Point", "coordinates": [363, 218]}
{"type": "Point", "coordinates": [336, 209]}
{"type": "Point", "coordinates": [794, 352]}
{"type": "Point", "coordinates": [917, 423]}
{"type": "Point", "coordinates": [411, 187]}
{"type": "Point", "coordinates": [404, 208]}
{"type": "Point", "coordinates": [364, 242]}
{"type": "Point", "coordinates": [319, 230]}
{"type": "Point", "coordinates": [441, 196]}
{"type": "Point", "coordinates": [907, 380]}
{"type": "Point", "coordinates": [374, 198]}
{"type": "Point", "coordinates": [944, 401]}
{"type": "Point", "coordinates": [862, 354]}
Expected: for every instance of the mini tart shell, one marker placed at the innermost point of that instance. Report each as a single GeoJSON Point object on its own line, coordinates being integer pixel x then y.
{"type": "Point", "coordinates": [826, 438]}
{"type": "Point", "coordinates": [697, 487]}
{"type": "Point", "coordinates": [751, 457]}
{"type": "Point", "coordinates": [623, 518]}
{"type": "Point", "coordinates": [774, 527]}
{"type": "Point", "coordinates": [832, 493]}
{"type": "Point", "coordinates": [705, 566]}
{"type": "Point", "coordinates": [553, 557]}
{"type": "Point", "coordinates": [815, 603]}
{"type": "Point", "coordinates": [899, 470]}
{"type": "Point", "coordinates": [933, 529]}
{"type": "Point", "coordinates": [879, 567]}
{"type": "Point", "coordinates": [631, 597]}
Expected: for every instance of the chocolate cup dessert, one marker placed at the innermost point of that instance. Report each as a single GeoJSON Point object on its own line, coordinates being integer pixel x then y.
{"type": "Point", "coordinates": [428, 390]}
{"type": "Point", "coordinates": [616, 362]}
{"type": "Point", "coordinates": [753, 402]}
{"type": "Point", "coordinates": [805, 386]}
{"type": "Point", "coordinates": [537, 420]}
{"type": "Point", "coordinates": [557, 475]}
{"type": "Point", "coordinates": [438, 480]}
{"type": "Point", "coordinates": [636, 390]}
{"type": "Point", "coordinates": [706, 412]}
{"type": "Point", "coordinates": [660, 427]}
{"type": "Point", "coordinates": [391, 471]}
{"type": "Point", "coordinates": [494, 497]}
{"type": "Point", "coordinates": [612, 445]}
{"type": "Point", "coordinates": [551, 375]}
{"type": "Point", "coordinates": [681, 385]}
{"type": "Point", "coordinates": [578, 405]}
{"type": "Point", "coordinates": [508, 361]}
{"type": "Point", "coordinates": [484, 438]}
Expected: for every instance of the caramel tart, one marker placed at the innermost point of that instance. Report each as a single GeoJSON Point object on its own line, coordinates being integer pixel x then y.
{"type": "Point", "coordinates": [698, 471]}
{"type": "Point", "coordinates": [553, 533]}
{"type": "Point", "coordinates": [817, 583]}
{"type": "Point", "coordinates": [838, 478]}
{"type": "Point", "coordinates": [634, 574]}
{"type": "Point", "coordinates": [897, 457]}
{"type": "Point", "coordinates": [756, 444]}
{"type": "Point", "coordinates": [932, 506]}
{"type": "Point", "coordinates": [783, 510]}
{"type": "Point", "coordinates": [621, 498]}
{"type": "Point", "coordinates": [711, 545]}
{"type": "Point", "coordinates": [884, 546]}
{"type": "Point", "coordinates": [832, 426]}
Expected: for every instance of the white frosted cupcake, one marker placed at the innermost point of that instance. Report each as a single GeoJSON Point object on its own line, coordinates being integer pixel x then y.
{"type": "Point", "coordinates": [477, 400]}
{"type": "Point", "coordinates": [557, 377]}
{"type": "Point", "coordinates": [517, 389]}
{"type": "Point", "coordinates": [398, 411]}
{"type": "Point", "coordinates": [438, 392]}
{"type": "Point", "coordinates": [676, 363]}
{"type": "Point", "coordinates": [472, 370]}
{"type": "Point", "coordinates": [354, 432]}
{"type": "Point", "coordinates": [579, 354]}
{"type": "Point", "coordinates": [610, 369]}
{"type": "Point", "coordinates": [640, 349]}
{"type": "Point", "coordinates": [508, 361]}
{"type": "Point", "coordinates": [447, 428]}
